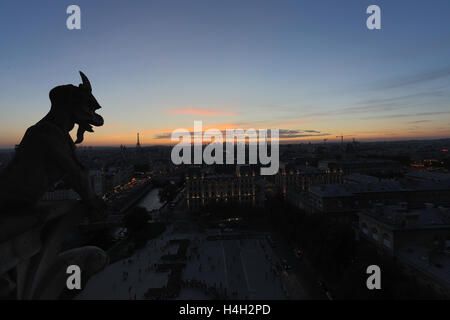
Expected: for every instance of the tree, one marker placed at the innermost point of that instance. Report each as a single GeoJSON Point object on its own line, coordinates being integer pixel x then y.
{"type": "Point", "coordinates": [136, 220]}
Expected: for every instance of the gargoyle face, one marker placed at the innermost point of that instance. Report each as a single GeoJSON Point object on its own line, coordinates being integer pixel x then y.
{"type": "Point", "coordinates": [84, 113]}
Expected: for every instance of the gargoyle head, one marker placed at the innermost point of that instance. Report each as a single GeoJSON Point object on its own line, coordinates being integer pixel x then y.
{"type": "Point", "coordinates": [79, 103]}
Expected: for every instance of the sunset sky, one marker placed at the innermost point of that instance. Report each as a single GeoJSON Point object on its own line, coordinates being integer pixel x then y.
{"type": "Point", "coordinates": [309, 68]}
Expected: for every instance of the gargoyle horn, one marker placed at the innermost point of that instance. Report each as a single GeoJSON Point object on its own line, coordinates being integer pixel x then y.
{"type": "Point", "coordinates": [86, 84]}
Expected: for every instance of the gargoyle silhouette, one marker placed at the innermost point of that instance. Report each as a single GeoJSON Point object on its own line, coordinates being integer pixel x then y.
{"type": "Point", "coordinates": [46, 153]}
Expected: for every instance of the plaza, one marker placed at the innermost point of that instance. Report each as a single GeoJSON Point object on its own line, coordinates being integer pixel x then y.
{"type": "Point", "coordinates": [216, 265]}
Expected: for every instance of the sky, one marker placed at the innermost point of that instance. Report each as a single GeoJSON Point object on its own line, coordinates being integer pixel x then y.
{"type": "Point", "coordinates": [309, 68]}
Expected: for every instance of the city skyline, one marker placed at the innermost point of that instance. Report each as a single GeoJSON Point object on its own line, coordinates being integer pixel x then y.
{"type": "Point", "coordinates": [312, 70]}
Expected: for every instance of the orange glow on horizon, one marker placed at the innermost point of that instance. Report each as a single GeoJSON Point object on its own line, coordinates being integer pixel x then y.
{"type": "Point", "coordinates": [150, 140]}
{"type": "Point", "coordinates": [110, 136]}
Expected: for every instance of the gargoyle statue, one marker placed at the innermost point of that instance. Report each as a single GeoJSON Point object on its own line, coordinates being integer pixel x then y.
{"type": "Point", "coordinates": [46, 153]}
{"type": "Point", "coordinates": [31, 234]}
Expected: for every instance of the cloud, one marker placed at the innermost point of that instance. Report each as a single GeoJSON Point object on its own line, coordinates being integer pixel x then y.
{"type": "Point", "coordinates": [415, 79]}
{"type": "Point", "coordinates": [283, 134]}
{"type": "Point", "coordinates": [419, 121]}
{"type": "Point", "coordinates": [167, 135]}
{"type": "Point", "coordinates": [407, 115]}
{"type": "Point", "coordinates": [290, 134]}
{"type": "Point", "coordinates": [312, 131]}
{"type": "Point", "coordinates": [434, 93]}
{"type": "Point", "coordinates": [294, 123]}
{"type": "Point", "coordinates": [201, 112]}
{"type": "Point", "coordinates": [352, 110]}
{"type": "Point", "coordinates": [380, 104]}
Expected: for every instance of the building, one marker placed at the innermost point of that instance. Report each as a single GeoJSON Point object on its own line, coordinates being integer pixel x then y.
{"type": "Point", "coordinates": [302, 177]}
{"type": "Point", "coordinates": [243, 187]}
{"type": "Point", "coordinates": [363, 166]}
{"type": "Point", "coordinates": [426, 175]}
{"type": "Point", "coordinates": [353, 195]}
{"type": "Point", "coordinates": [419, 239]}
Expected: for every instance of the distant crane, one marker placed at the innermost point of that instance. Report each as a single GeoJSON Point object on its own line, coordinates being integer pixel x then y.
{"type": "Point", "coordinates": [342, 138]}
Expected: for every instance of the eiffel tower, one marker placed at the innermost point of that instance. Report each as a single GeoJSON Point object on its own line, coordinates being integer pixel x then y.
{"type": "Point", "coordinates": [138, 144]}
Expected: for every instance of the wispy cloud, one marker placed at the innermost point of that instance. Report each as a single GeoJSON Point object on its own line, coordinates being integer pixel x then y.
{"type": "Point", "coordinates": [162, 136]}
{"type": "Point", "coordinates": [415, 78]}
{"type": "Point", "coordinates": [380, 104]}
{"type": "Point", "coordinates": [407, 115]}
{"type": "Point", "coordinates": [167, 133]}
{"type": "Point", "coordinates": [423, 94]}
{"type": "Point", "coordinates": [294, 123]}
{"type": "Point", "coordinates": [419, 121]}
{"type": "Point", "coordinates": [312, 131]}
{"type": "Point", "coordinates": [201, 112]}
{"type": "Point", "coordinates": [291, 134]}
{"type": "Point", "coordinates": [283, 134]}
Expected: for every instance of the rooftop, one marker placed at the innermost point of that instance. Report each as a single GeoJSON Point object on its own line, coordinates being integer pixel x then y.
{"type": "Point", "coordinates": [360, 178]}
{"type": "Point", "coordinates": [356, 184]}
{"type": "Point", "coordinates": [359, 161]}
{"type": "Point", "coordinates": [436, 266]}
{"type": "Point", "coordinates": [303, 169]}
{"type": "Point", "coordinates": [436, 176]}
{"type": "Point", "coordinates": [350, 189]}
{"type": "Point", "coordinates": [400, 217]}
